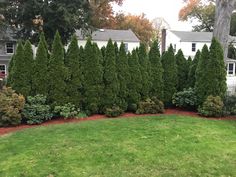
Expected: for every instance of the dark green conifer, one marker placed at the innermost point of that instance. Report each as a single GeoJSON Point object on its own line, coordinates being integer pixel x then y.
{"type": "Point", "coordinates": [135, 83]}
{"type": "Point", "coordinates": [169, 75]}
{"type": "Point", "coordinates": [40, 74]}
{"type": "Point", "coordinates": [10, 70]}
{"type": "Point", "coordinates": [111, 84]}
{"type": "Point", "coordinates": [123, 77]}
{"type": "Point", "coordinates": [73, 83]}
{"type": "Point", "coordinates": [21, 79]}
{"type": "Point", "coordinates": [217, 71]}
{"type": "Point", "coordinates": [144, 64]}
{"type": "Point", "coordinates": [202, 79]}
{"type": "Point", "coordinates": [156, 72]}
{"type": "Point", "coordinates": [182, 70]}
{"type": "Point", "coordinates": [92, 81]}
{"type": "Point", "coordinates": [57, 73]}
{"type": "Point", "coordinates": [192, 70]}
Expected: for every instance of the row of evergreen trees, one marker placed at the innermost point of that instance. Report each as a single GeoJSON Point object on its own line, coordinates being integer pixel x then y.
{"type": "Point", "coordinates": [95, 79]}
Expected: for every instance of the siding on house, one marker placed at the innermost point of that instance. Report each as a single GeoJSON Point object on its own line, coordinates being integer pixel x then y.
{"type": "Point", "coordinates": [184, 40]}
{"type": "Point", "coordinates": [102, 36]}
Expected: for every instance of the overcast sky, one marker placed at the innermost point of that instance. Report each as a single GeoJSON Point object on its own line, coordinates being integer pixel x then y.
{"type": "Point", "coordinates": [168, 9]}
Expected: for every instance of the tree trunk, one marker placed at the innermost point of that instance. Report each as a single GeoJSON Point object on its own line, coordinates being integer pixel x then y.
{"type": "Point", "coordinates": [224, 10]}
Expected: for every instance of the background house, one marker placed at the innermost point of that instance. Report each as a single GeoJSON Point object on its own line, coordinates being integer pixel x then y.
{"type": "Point", "coordinates": [190, 42]}
{"type": "Point", "coordinates": [7, 49]}
{"type": "Point", "coordinates": [102, 36]}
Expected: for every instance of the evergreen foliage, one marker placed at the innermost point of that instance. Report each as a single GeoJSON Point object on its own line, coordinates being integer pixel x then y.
{"type": "Point", "coordinates": [123, 77]}
{"type": "Point", "coordinates": [182, 70]}
{"type": "Point", "coordinates": [170, 75]}
{"type": "Point", "coordinates": [40, 74]}
{"type": "Point", "coordinates": [156, 72]}
{"type": "Point", "coordinates": [57, 73]}
{"type": "Point", "coordinates": [192, 70]}
{"type": "Point", "coordinates": [10, 71]}
{"type": "Point", "coordinates": [21, 71]}
{"type": "Point", "coordinates": [111, 85]}
{"type": "Point", "coordinates": [144, 63]}
{"type": "Point", "coordinates": [217, 71]}
{"type": "Point", "coordinates": [73, 83]}
{"type": "Point", "coordinates": [92, 80]}
{"type": "Point", "coordinates": [135, 83]}
{"type": "Point", "coordinates": [202, 79]}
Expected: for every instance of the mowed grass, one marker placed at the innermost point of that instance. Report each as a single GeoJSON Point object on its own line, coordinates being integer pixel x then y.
{"type": "Point", "coordinates": [148, 146]}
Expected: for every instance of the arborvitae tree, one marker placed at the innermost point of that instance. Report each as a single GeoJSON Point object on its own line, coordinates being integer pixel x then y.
{"type": "Point", "coordinates": [21, 71]}
{"type": "Point", "coordinates": [92, 80]}
{"type": "Point", "coordinates": [156, 72]}
{"type": "Point", "coordinates": [10, 70]}
{"type": "Point", "coordinates": [123, 77]}
{"type": "Point", "coordinates": [217, 71]}
{"type": "Point", "coordinates": [116, 50]}
{"type": "Point", "coordinates": [144, 63]}
{"type": "Point", "coordinates": [202, 79]}
{"type": "Point", "coordinates": [135, 83]}
{"type": "Point", "coordinates": [100, 55]}
{"type": "Point", "coordinates": [111, 84]}
{"type": "Point", "coordinates": [29, 64]}
{"type": "Point", "coordinates": [192, 70]}
{"type": "Point", "coordinates": [40, 74]}
{"type": "Point", "coordinates": [182, 70]}
{"type": "Point", "coordinates": [169, 75]}
{"type": "Point", "coordinates": [57, 73]}
{"type": "Point", "coordinates": [103, 50]}
{"type": "Point", "coordinates": [73, 83]}
{"type": "Point", "coordinates": [44, 42]}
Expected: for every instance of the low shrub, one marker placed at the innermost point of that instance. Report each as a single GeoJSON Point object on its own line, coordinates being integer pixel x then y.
{"type": "Point", "coordinates": [114, 111]}
{"type": "Point", "coordinates": [67, 111]}
{"type": "Point", "coordinates": [150, 106]}
{"type": "Point", "coordinates": [212, 107]}
{"type": "Point", "coordinates": [185, 99]}
{"type": "Point", "coordinates": [230, 105]}
{"type": "Point", "coordinates": [132, 107]}
{"type": "Point", "coordinates": [36, 110]}
{"type": "Point", "coordinates": [11, 105]}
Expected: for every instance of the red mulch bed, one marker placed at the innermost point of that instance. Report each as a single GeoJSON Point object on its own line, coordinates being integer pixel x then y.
{"type": "Point", "coordinates": [6, 130]}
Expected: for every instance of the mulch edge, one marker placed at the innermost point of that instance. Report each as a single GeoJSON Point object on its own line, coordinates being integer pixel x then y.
{"type": "Point", "coordinates": [7, 130]}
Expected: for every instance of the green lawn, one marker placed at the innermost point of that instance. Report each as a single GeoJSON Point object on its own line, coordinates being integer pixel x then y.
{"type": "Point", "coordinates": [149, 146]}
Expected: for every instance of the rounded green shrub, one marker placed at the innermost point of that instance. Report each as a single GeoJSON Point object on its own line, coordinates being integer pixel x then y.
{"type": "Point", "coordinates": [67, 111]}
{"type": "Point", "coordinates": [230, 105]}
{"type": "Point", "coordinates": [212, 107]}
{"type": "Point", "coordinates": [11, 105]}
{"type": "Point", "coordinates": [36, 110]}
{"type": "Point", "coordinates": [114, 111]}
{"type": "Point", "coordinates": [150, 106]}
{"type": "Point", "coordinates": [185, 99]}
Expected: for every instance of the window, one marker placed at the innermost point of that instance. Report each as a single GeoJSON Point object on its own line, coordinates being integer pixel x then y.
{"type": "Point", "coordinates": [193, 47]}
{"type": "Point", "coordinates": [230, 69]}
{"type": "Point", "coordinates": [126, 47]}
{"type": "Point", "coordinates": [9, 48]}
{"type": "Point", "coordinates": [2, 71]}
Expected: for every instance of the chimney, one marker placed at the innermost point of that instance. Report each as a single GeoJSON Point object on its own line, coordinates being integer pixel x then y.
{"type": "Point", "coordinates": [163, 40]}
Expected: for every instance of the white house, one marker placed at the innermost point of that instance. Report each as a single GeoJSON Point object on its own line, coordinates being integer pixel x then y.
{"type": "Point", "coordinates": [102, 36]}
{"type": "Point", "coordinates": [190, 42]}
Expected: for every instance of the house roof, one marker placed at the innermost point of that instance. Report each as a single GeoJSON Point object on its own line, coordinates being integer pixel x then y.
{"type": "Point", "coordinates": [189, 36]}
{"type": "Point", "coordinates": [106, 34]}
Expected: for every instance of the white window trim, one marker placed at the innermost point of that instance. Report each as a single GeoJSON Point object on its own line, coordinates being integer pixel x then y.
{"type": "Point", "coordinates": [13, 47]}
{"type": "Point", "coordinates": [5, 66]}
{"type": "Point", "coordinates": [228, 69]}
